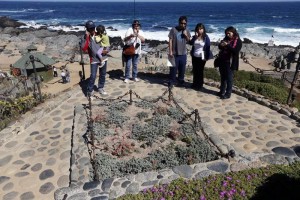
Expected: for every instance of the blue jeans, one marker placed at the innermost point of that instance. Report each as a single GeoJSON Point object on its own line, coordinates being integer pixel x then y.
{"type": "Point", "coordinates": [180, 63]}
{"type": "Point", "coordinates": [102, 74]}
{"type": "Point", "coordinates": [134, 60]}
{"type": "Point", "coordinates": [226, 79]}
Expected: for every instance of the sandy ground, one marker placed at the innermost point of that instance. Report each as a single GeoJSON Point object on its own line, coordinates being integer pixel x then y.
{"type": "Point", "coordinates": [55, 86]}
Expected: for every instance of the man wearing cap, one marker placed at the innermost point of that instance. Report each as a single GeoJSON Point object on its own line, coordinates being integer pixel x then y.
{"type": "Point", "coordinates": [89, 45]}
{"type": "Point", "coordinates": [136, 37]}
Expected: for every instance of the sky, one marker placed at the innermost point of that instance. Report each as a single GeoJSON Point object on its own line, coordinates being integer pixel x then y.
{"type": "Point", "coordinates": [160, 0]}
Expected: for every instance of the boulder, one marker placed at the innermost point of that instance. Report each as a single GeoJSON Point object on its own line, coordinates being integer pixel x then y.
{"type": "Point", "coordinates": [7, 22]}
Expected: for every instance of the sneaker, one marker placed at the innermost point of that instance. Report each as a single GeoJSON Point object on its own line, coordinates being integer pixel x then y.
{"type": "Point", "coordinates": [102, 91]}
{"type": "Point", "coordinates": [136, 79]}
{"type": "Point", "coordinates": [126, 80]}
{"type": "Point", "coordinates": [225, 96]}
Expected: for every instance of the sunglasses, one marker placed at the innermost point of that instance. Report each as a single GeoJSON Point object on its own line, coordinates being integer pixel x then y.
{"type": "Point", "coordinates": [90, 29]}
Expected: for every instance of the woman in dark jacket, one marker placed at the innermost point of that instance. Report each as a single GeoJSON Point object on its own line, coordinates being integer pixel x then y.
{"type": "Point", "coordinates": [229, 47]}
{"type": "Point", "coordinates": [200, 54]}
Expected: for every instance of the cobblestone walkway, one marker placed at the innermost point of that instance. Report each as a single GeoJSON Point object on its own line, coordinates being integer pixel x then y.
{"type": "Point", "coordinates": [36, 161]}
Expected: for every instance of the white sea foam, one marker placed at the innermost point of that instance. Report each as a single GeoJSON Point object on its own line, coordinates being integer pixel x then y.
{"type": "Point", "coordinates": [13, 11]}
{"type": "Point", "coordinates": [257, 34]}
{"type": "Point", "coordinates": [287, 30]}
{"type": "Point", "coordinates": [48, 11]}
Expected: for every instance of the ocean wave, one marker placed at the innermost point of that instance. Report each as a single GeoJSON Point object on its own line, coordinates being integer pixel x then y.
{"type": "Point", "coordinates": [159, 27]}
{"type": "Point", "coordinates": [108, 20]}
{"type": "Point", "coordinates": [48, 11]}
{"type": "Point", "coordinates": [13, 11]}
{"type": "Point", "coordinates": [277, 17]}
{"type": "Point", "coordinates": [259, 28]}
{"type": "Point", "coordinates": [257, 34]}
{"type": "Point", "coordinates": [287, 30]}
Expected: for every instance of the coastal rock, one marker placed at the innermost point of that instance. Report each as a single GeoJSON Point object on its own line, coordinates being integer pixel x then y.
{"type": "Point", "coordinates": [7, 22]}
{"type": "Point", "coordinates": [63, 46]}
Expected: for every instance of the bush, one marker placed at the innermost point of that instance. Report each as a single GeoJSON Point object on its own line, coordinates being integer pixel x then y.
{"type": "Point", "coordinates": [212, 73]}
{"type": "Point", "coordinates": [10, 111]}
{"type": "Point", "coordinates": [266, 86]}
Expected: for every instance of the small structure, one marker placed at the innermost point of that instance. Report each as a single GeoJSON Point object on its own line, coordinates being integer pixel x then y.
{"type": "Point", "coordinates": [271, 43]}
{"type": "Point", "coordinates": [24, 67]}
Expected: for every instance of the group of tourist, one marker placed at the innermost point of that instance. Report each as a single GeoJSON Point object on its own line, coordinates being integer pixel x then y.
{"type": "Point", "coordinates": [64, 74]}
{"type": "Point", "coordinates": [96, 43]}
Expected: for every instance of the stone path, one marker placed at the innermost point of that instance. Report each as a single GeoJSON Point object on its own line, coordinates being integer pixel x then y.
{"type": "Point", "coordinates": [36, 160]}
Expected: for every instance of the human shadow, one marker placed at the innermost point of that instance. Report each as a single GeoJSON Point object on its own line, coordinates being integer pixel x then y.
{"type": "Point", "coordinates": [156, 78]}
{"type": "Point", "coordinates": [115, 74]}
{"type": "Point", "coordinates": [83, 84]}
{"type": "Point", "coordinates": [278, 187]}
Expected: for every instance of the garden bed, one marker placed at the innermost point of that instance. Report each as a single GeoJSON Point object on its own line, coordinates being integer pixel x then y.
{"type": "Point", "coordinates": [145, 136]}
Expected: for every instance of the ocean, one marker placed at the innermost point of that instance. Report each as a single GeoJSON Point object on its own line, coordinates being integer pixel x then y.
{"type": "Point", "coordinates": [259, 22]}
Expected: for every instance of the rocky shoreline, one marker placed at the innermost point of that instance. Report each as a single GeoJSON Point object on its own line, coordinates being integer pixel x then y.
{"type": "Point", "coordinates": [64, 46]}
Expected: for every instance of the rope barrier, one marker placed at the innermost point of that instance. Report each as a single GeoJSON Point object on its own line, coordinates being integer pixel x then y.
{"type": "Point", "coordinates": [186, 116]}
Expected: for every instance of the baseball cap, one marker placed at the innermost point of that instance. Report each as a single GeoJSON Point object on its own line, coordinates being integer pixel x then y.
{"type": "Point", "coordinates": [89, 25]}
{"type": "Point", "coordinates": [136, 22]}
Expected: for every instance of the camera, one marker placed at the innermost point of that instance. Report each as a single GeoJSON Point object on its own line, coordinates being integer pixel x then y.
{"type": "Point", "coordinates": [137, 45]}
{"type": "Point", "coordinates": [182, 33]}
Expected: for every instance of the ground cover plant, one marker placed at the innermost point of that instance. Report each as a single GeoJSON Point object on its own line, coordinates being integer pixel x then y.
{"type": "Point", "coordinates": [145, 136]}
{"type": "Point", "coordinates": [11, 110]}
{"type": "Point", "coordinates": [267, 183]}
{"type": "Point", "coordinates": [269, 87]}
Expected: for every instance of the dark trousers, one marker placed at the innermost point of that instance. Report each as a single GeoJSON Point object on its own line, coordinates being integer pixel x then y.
{"type": "Point", "coordinates": [64, 80]}
{"type": "Point", "coordinates": [198, 72]}
{"type": "Point", "coordinates": [180, 63]}
{"type": "Point", "coordinates": [226, 79]}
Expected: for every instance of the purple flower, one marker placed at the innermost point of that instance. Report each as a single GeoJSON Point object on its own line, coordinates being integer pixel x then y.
{"type": "Point", "coordinates": [232, 191]}
{"type": "Point", "coordinates": [202, 197]}
{"type": "Point", "coordinates": [162, 199]}
{"type": "Point", "coordinates": [249, 177]}
{"type": "Point", "coordinates": [222, 194]}
{"type": "Point", "coordinates": [229, 178]}
{"type": "Point", "coordinates": [154, 189]}
{"type": "Point", "coordinates": [224, 183]}
{"type": "Point", "coordinates": [171, 193]}
{"type": "Point", "coordinates": [243, 193]}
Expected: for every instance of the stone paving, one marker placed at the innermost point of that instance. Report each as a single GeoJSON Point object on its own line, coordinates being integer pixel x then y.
{"type": "Point", "coordinates": [42, 158]}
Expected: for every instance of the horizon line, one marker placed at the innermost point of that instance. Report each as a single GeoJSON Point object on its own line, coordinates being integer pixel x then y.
{"type": "Point", "coordinates": [161, 1]}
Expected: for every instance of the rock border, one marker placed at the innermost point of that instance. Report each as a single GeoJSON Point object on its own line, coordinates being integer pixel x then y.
{"type": "Point", "coordinates": [112, 188]}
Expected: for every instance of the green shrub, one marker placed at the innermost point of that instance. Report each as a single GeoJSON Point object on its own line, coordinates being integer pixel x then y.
{"type": "Point", "coordinates": [212, 73]}
{"type": "Point", "coordinates": [267, 86]}
{"type": "Point", "coordinates": [271, 182]}
{"type": "Point", "coordinates": [268, 90]}
{"type": "Point", "coordinates": [10, 111]}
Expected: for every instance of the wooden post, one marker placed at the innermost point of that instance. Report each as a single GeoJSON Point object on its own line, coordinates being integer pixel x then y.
{"type": "Point", "coordinates": [81, 63]}
{"type": "Point", "coordinates": [37, 82]}
{"type": "Point", "coordinates": [297, 59]}
{"type": "Point", "coordinates": [130, 95]}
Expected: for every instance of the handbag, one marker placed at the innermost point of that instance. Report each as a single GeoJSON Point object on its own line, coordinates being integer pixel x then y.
{"type": "Point", "coordinates": [217, 61]}
{"type": "Point", "coordinates": [129, 50]}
